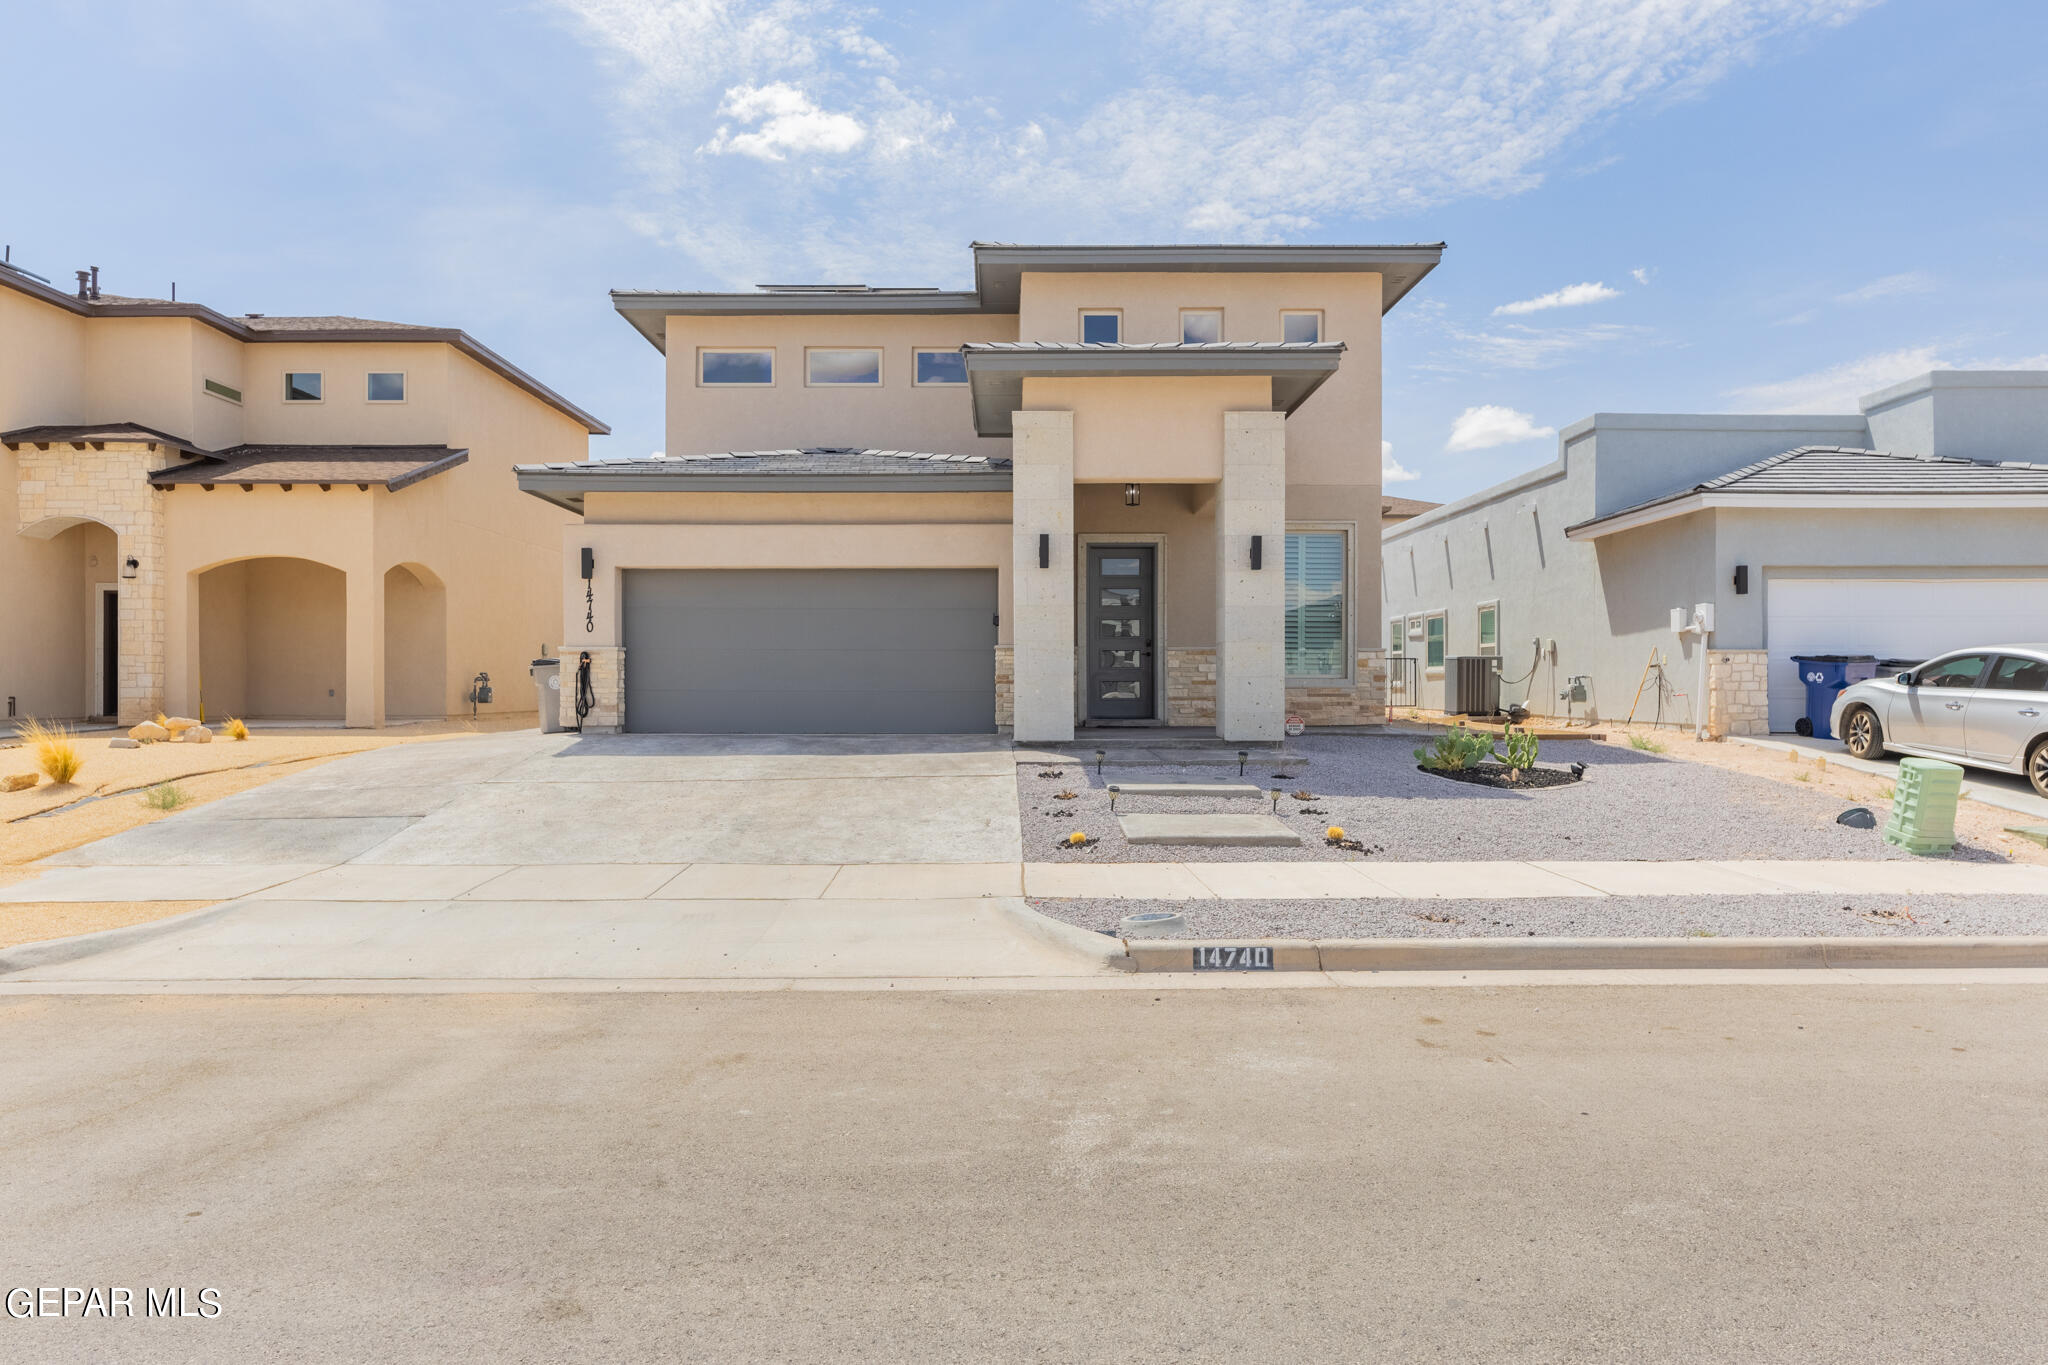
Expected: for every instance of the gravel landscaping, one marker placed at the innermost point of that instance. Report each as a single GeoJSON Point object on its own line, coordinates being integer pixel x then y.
{"type": "Point", "coordinates": [1783, 916]}
{"type": "Point", "coordinates": [1632, 805]}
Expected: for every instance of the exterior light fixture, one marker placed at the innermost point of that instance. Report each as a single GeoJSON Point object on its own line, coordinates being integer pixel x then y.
{"type": "Point", "coordinates": [1044, 550]}
{"type": "Point", "coordinates": [1130, 495]}
{"type": "Point", "coordinates": [1242, 755]}
{"type": "Point", "coordinates": [1114, 792]}
{"type": "Point", "coordinates": [129, 566]}
{"type": "Point", "coordinates": [1741, 580]}
{"type": "Point", "coordinates": [1258, 552]}
{"type": "Point", "coordinates": [1100, 754]}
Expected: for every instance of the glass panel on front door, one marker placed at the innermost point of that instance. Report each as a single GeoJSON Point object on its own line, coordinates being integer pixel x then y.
{"type": "Point", "coordinates": [1120, 661]}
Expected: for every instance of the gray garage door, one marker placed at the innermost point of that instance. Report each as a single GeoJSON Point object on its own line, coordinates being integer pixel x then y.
{"type": "Point", "coordinates": [786, 651]}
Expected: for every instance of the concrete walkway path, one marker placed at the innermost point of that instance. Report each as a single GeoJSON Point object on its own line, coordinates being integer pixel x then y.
{"type": "Point", "coordinates": [565, 884]}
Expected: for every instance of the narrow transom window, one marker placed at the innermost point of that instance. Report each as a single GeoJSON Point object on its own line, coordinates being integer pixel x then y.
{"type": "Point", "coordinates": [843, 367]}
{"type": "Point", "coordinates": [736, 367]}
{"type": "Point", "coordinates": [387, 386]}
{"type": "Point", "coordinates": [1102, 329]}
{"type": "Point", "coordinates": [1302, 326]}
{"type": "Point", "coordinates": [941, 367]}
{"type": "Point", "coordinates": [1201, 326]}
{"type": "Point", "coordinates": [301, 386]}
{"type": "Point", "coordinates": [220, 390]}
{"type": "Point", "coordinates": [1315, 604]}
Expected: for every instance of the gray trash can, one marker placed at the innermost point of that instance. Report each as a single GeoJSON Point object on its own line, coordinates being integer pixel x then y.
{"type": "Point", "coordinates": [547, 679]}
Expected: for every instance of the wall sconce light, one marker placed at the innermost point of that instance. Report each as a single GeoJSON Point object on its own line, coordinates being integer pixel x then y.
{"type": "Point", "coordinates": [1044, 550]}
{"type": "Point", "coordinates": [129, 566]}
{"type": "Point", "coordinates": [1258, 552]}
{"type": "Point", "coordinates": [1741, 580]}
{"type": "Point", "coordinates": [1130, 495]}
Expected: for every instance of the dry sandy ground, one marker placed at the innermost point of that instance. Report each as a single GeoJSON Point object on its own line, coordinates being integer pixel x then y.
{"type": "Point", "coordinates": [119, 778]}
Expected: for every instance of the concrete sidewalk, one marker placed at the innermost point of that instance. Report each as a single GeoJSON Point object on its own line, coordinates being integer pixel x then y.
{"type": "Point", "coordinates": [565, 884]}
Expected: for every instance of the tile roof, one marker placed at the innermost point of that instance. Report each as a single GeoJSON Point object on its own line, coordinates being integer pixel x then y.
{"type": "Point", "coordinates": [96, 432]}
{"type": "Point", "coordinates": [1406, 507]}
{"type": "Point", "coordinates": [1848, 469]}
{"type": "Point", "coordinates": [393, 467]}
{"type": "Point", "coordinates": [1823, 472]}
{"type": "Point", "coordinates": [770, 463]}
{"type": "Point", "coordinates": [1155, 347]}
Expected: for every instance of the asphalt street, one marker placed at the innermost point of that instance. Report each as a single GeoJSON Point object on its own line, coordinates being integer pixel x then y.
{"type": "Point", "coordinates": [1846, 1172]}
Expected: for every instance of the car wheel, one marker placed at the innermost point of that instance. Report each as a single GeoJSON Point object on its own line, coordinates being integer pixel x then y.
{"type": "Point", "coordinates": [2037, 767]}
{"type": "Point", "coordinates": [1862, 733]}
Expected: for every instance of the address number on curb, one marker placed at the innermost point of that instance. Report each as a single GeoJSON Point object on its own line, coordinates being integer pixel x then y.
{"type": "Point", "coordinates": [1221, 958]}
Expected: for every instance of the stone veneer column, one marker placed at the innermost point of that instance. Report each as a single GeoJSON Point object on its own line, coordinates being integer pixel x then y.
{"type": "Point", "coordinates": [607, 685]}
{"type": "Point", "coordinates": [1042, 600]}
{"type": "Point", "coordinates": [1738, 692]}
{"type": "Point", "coordinates": [109, 484]}
{"type": "Point", "coordinates": [1251, 604]}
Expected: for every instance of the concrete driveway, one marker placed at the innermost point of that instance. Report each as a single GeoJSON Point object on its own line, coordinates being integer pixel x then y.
{"type": "Point", "coordinates": [527, 856]}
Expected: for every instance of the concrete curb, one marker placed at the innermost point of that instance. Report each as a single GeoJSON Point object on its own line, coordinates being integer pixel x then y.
{"type": "Point", "coordinates": [1611, 954]}
{"type": "Point", "coordinates": [1106, 951]}
{"type": "Point", "coordinates": [27, 956]}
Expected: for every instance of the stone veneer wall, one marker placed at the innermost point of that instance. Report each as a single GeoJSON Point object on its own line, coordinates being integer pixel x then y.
{"type": "Point", "coordinates": [1738, 697]}
{"type": "Point", "coordinates": [1363, 702]}
{"type": "Point", "coordinates": [1190, 687]}
{"type": "Point", "coordinates": [607, 683]}
{"type": "Point", "coordinates": [110, 485]}
{"type": "Point", "coordinates": [1006, 686]}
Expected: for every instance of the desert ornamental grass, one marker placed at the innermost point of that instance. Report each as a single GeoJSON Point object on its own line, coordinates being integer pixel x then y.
{"type": "Point", "coordinates": [55, 748]}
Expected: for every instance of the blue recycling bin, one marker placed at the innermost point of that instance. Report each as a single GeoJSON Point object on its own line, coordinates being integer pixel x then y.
{"type": "Point", "coordinates": [1825, 675]}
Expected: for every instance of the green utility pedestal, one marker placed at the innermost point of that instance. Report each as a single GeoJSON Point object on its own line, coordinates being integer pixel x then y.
{"type": "Point", "coordinates": [1924, 806]}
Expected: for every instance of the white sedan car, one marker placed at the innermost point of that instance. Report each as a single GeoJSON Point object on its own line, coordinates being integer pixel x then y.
{"type": "Point", "coordinates": [1984, 707]}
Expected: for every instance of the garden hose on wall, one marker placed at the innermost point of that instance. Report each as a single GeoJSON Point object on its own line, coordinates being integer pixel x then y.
{"type": "Point", "coordinates": [586, 696]}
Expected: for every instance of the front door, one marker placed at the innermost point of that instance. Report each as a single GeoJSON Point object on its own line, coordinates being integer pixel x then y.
{"type": "Point", "coordinates": [110, 652]}
{"type": "Point", "coordinates": [1123, 614]}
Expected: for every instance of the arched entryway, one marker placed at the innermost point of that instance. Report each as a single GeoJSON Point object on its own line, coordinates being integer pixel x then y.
{"type": "Point", "coordinates": [273, 640]}
{"type": "Point", "coordinates": [415, 644]}
{"type": "Point", "coordinates": [67, 660]}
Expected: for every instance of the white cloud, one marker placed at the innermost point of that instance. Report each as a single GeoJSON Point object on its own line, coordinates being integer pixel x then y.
{"type": "Point", "coordinates": [1840, 388]}
{"type": "Point", "coordinates": [1390, 468]}
{"type": "Point", "coordinates": [789, 122]}
{"type": "Point", "coordinates": [1890, 286]}
{"type": "Point", "coordinates": [1571, 296]}
{"type": "Point", "coordinates": [1641, 274]}
{"type": "Point", "coordinates": [1393, 108]}
{"type": "Point", "coordinates": [1517, 347]}
{"type": "Point", "coordinates": [1490, 425]}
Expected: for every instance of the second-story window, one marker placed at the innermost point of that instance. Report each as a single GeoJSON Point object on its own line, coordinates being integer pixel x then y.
{"type": "Point", "coordinates": [1102, 327]}
{"type": "Point", "coordinates": [387, 386]}
{"type": "Point", "coordinates": [302, 386]}
{"type": "Point", "coordinates": [1304, 325]}
{"type": "Point", "coordinates": [940, 367]}
{"type": "Point", "coordinates": [1201, 326]}
{"type": "Point", "coordinates": [735, 367]}
{"type": "Point", "coordinates": [823, 366]}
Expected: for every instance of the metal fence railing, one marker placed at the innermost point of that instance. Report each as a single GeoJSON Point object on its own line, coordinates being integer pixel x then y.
{"type": "Point", "coordinates": [1404, 685]}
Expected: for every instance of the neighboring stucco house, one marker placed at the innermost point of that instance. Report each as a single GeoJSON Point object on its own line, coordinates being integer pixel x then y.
{"type": "Point", "coordinates": [1108, 485]}
{"type": "Point", "coordinates": [306, 518]}
{"type": "Point", "coordinates": [1917, 525]}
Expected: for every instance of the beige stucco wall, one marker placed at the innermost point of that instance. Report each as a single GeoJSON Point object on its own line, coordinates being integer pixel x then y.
{"type": "Point", "coordinates": [1183, 518]}
{"type": "Point", "coordinates": [272, 635]}
{"type": "Point", "coordinates": [795, 509]}
{"type": "Point", "coordinates": [897, 415]}
{"type": "Point", "coordinates": [1168, 429]}
{"type": "Point", "coordinates": [487, 555]}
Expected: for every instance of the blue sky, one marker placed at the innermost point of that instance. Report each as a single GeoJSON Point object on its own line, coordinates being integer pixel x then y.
{"type": "Point", "coordinates": [1676, 205]}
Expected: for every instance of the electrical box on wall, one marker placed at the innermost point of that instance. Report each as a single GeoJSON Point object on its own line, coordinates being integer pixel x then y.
{"type": "Point", "coordinates": [1681, 621]}
{"type": "Point", "coordinates": [1703, 613]}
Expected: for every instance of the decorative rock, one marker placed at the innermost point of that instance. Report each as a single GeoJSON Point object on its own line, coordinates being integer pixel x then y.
{"type": "Point", "coordinates": [147, 731]}
{"type": "Point", "coordinates": [123, 742]}
{"type": "Point", "coordinates": [195, 734]}
{"type": "Point", "coordinates": [18, 782]}
{"type": "Point", "coordinates": [177, 725]}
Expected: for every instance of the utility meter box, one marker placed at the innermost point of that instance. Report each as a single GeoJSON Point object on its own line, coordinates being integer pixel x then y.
{"type": "Point", "coordinates": [1680, 621]}
{"type": "Point", "coordinates": [1704, 615]}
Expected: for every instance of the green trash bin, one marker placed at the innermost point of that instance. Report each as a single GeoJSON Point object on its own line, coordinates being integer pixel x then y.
{"type": "Point", "coordinates": [1924, 806]}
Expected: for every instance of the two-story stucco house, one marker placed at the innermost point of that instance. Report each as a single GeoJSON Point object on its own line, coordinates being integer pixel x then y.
{"type": "Point", "coordinates": [305, 518]}
{"type": "Point", "coordinates": [1109, 485]}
